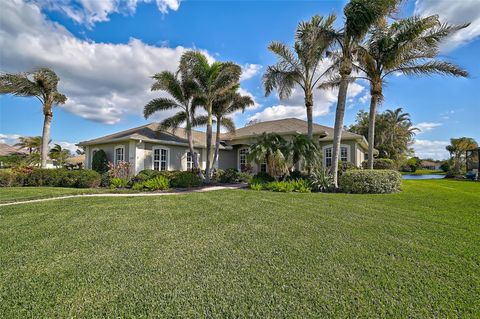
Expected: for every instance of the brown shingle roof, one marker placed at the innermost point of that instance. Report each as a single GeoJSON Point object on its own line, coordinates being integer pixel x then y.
{"type": "Point", "coordinates": [6, 149]}
{"type": "Point", "coordinates": [285, 126]}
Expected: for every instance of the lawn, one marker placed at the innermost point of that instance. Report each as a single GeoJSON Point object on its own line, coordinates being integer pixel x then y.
{"type": "Point", "coordinates": [244, 253]}
{"type": "Point", "coordinates": [425, 172]}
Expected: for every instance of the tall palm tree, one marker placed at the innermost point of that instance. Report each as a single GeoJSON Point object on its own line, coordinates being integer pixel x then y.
{"type": "Point", "coordinates": [360, 16]}
{"type": "Point", "coordinates": [223, 106]}
{"type": "Point", "coordinates": [32, 143]}
{"type": "Point", "coordinates": [181, 91]}
{"type": "Point", "coordinates": [400, 128]}
{"type": "Point", "coordinates": [300, 67]}
{"type": "Point", "coordinates": [42, 84]}
{"type": "Point", "coordinates": [213, 80]}
{"type": "Point", "coordinates": [409, 47]}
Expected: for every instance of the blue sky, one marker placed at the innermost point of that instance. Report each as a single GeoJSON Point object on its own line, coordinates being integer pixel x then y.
{"type": "Point", "coordinates": [105, 51]}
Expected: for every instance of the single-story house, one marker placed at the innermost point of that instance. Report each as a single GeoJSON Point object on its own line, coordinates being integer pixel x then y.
{"type": "Point", "coordinates": [425, 164]}
{"type": "Point", "coordinates": [146, 147]}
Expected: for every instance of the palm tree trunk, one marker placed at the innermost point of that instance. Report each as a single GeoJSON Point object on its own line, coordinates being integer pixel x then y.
{"type": "Point", "coordinates": [337, 131]}
{"type": "Point", "coordinates": [371, 129]}
{"type": "Point", "coordinates": [209, 143]}
{"type": "Point", "coordinates": [196, 166]}
{"type": "Point", "coordinates": [309, 106]}
{"type": "Point", "coordinates": [217, 143]}
{"type": "Point", "coordinates": [46, 137]}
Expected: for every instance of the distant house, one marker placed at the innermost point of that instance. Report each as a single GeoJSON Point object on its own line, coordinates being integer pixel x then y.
{"type": "Point", "coordinates": [430, 165]}
{"type": "Point", "coordinates": [6, 150]}
{"type": "Point", "coordinates": [146, 147]}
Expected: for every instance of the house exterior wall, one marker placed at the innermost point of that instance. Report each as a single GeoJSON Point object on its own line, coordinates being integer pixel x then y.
{"type": "Point", "coordinates": [227, 159]}
{"type": "Point", "coordinates": [109, 151]}
{"type": "Point", "coordinates": [177, 156]}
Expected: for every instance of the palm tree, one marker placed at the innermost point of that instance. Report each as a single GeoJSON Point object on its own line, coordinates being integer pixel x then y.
{"type": "Point", "coordinates": [400, 131]}
{"type": "Point", "coordinates": [360, 16]}
{"type": "Point", "coordinates": [223, 106]}
{"type": "Point", "coordinates": [409, 47]}
{"type": "Point", "coordinates": [59, 154]}
{"type": "Point", "coordinates": [300, 67]}
{"type": "Point", "coordinates": [32, 143]}
{"type": "Point", "coordinates": [213, 80]}
{"type": "Point", "coordinates": [42, 84]}
{"type": "Point", "coordinates": [272, 149]}
{"type": "Point", "coordinates": [182, 91]}
{"type": "Point", "coordinates": [302, 149]}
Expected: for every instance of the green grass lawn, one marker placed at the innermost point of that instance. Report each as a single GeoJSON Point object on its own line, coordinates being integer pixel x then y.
{"type": "Point", "coordinates": [243, 253]}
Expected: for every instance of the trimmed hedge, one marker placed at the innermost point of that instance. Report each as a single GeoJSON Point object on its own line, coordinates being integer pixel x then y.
{"type": "Point", "coordinates": [185, 179]}
{"type": "Point", "coordinates": [371, 181]}
{"type": "Point", "coordinates": [381, 163]}
{"type": "Point", "coordinates": [51, 177]}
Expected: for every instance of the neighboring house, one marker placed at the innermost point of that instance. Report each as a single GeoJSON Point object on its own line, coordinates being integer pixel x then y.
{"type": "Point", "coordinates": [6, 150]}
{"type": "Point", "coordinates": [430, 165]}
{"type": "Point", "coordinates": [147, 148]}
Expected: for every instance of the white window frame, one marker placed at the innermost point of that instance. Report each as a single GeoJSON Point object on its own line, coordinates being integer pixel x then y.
{"type": "Point", "coordinates": [239, 166]}
{"type": "Point", "coordinates": [115, 161]}
{"type": "Point", "coordinates": [263, 164]}
{"type": "Point", "coordinates": [167, 164]}
{"type": "Point", "coordinates": [330, 147]}
{"type": "Point", "coordinates": [191, 161]}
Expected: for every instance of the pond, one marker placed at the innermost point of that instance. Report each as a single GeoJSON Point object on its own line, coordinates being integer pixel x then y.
{"type": "Point", "coordinates": [426, 176]}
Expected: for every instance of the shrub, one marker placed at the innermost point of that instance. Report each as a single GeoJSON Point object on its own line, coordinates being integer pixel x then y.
{"type": "Point", "coordinates": [121, 170]}
{"type": "Point", "coordinates": [137, 186]}
{"type": "Point", "coordinates": [84, 178]}
{"type": "Point", "coordinates": [185, 179]}
{"type": "Point", "coordinates": [105, 180]}
{"type": "Point", "coordinates": [156, 183]}
{"type": "Point", "coordinates": [100, 162]}
{"type": "Point", "coordinates": [262, 177]}
{"type": "Point", "coordinates": [230, 175]}
{"type": "Point", "coordinates": [51, 177]}
{"type": "Point", "coordinates": [445, 166]}
{"type": "Point", "coordinates": [301, 186]}
{"type": "Point", "coordinates": [256, 186]}
{"type": "Point", "coordinates": [295, 175]}
{"type": "Point", "coordinates": [371, 181]}
{"type": "Point", "coordinates": [381, 163]}
{"type": "Point", "coordinates": [284, 187]}
{"type": "Point", "coordinates": [244, 177]}
{"type": "Point", "coordinates": [118, 182]}
{"type": "Point", "coordinates": [321, 180]}
{"type": "Point", "coordinates": [7, 178]}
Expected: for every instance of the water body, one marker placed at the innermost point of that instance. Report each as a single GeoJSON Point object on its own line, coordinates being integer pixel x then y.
{"type": "Point", "coordinates": [428, 176]}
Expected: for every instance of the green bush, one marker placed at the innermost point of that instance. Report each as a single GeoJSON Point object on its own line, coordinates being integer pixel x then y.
{"type": "Point", "coordinates": [262, 177]}
{"type": "Point", "coordinates": [137, 186]}
{"type": "Point", "coordinates": [381, 163]}
{"type": "Point", "coordinates": [371, 181]}
{"type": "Point", "coordinates": [184, 180]}
{"type": "Point", "coordinates": [51, 177]}
{"type": "Point", "coordinates": [284, 187]}
{"type": "Point", "coordinates": [7, 178]}
{"type": "Point", "coordinates": [256, 186]}
{"type": "Point", "coordinates": [100, 162]}
{"type": "Point", "coordinates": [228, 176]}
{"type": "Point", "coordinates": [157, 183]}
{"type": "Point", "coordinates": [321, 179]}
{"type": "Point", "coordinates": [118, 182]}
{"type": "Point", "coordinates": [301, 186]}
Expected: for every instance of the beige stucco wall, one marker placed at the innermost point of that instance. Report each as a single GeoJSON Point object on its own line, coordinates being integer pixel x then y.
{"type": "Point", "coordinates": [177, 159]}
{"type": "Point", "coordinates": [109, 150]}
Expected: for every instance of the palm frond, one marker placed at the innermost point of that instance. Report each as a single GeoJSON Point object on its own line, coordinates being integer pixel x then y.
{"type": "Point", "coordinates": [174, 122]}
{"type": "Point", "coordinates": [159, 104]}
{"type": "Point", "coordinates": [433, 67]}
{"type": "Point", "coordinates": [168, 82]}
{"type": "Point", "coordinates": [228, 124]}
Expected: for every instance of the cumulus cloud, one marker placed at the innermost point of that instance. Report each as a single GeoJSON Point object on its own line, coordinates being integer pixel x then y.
{"type": "Point", "coordinates": [453, 12]}
{"type": "Point", "coordinates": [249, 71]}
{"type": "Point", "coordinates": [9, 139]}
{"type": "Point", "coordinates": [427, 126]}
{"type": "Point", "coordinates": [431, 149]}
{"type": "Point", "coordinates": [104, 82]}
{"type": "Point", "coordinates": [294, 106]}
{"type": "Point", "coordinates": [89, 12]}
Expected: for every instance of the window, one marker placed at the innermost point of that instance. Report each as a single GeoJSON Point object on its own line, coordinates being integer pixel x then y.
{"type": "Point", "coordinates": [263, 166]}
{"type": "Point", "coordinates": [328, 157]}
{"type": "Point", "coordinates": [365, 156]}
{"type": "Point", "coordinates": [190, 160]}
{"type": "Point", "coordinates": [329, 152]}
{"type": "Point", "coordinates": [242, 159]}
{"type": "Point", "coordinates": [119, 154]}
{"type": "Point", "coordinates": [343, 154]}
{"type": "Point", "coordinates": [160, 159]}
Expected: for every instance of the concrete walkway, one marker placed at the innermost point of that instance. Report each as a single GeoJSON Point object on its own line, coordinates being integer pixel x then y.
{"type": "Point", "coordinates": [176, 192]}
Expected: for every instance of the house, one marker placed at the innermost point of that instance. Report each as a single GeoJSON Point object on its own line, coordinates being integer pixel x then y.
{"type": "Point", "coordinates": [146, 147]}
{"type": "Point", "coordinates": [6, 150]}
{"type": "Point", "coordinates": [431, 165]}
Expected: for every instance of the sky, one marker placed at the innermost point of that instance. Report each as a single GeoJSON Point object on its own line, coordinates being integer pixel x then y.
{"type": "Point", "coordinates": [105, 52]}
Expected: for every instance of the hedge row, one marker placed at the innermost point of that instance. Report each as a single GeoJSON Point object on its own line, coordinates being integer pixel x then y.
{"type": "Point", "coordinates": [50, 177]}
{"type": "Point", "coordinates": [370, 181]}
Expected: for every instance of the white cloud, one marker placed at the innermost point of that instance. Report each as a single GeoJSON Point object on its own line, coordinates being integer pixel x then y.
{"type": "Point", "coordinates": [294, 106]}
{"type": "Point", "coordinates": [89, 12]}
{"type": "Point", "coordinates": [9, 139]}
{"type": "Point", "coordinates": [454, 12]}
{"type": "Point", "coordinates": [427, 126]}
{"type": "Point", "coordinates": [249, 71]}
{"type": "Point", "coordinates": [431, 149]}
{"type": "Point", "coordinates": [103, 81]}
{"type": "Point", "coordinates": [364, 98]}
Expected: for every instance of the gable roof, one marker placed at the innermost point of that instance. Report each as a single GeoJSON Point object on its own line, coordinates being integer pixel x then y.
{"type": "Point", "coordinates": [6, 149]}
{"type": "Point", "coordinates": [152, 133]}
{"type": "Point", "coordinates": [286, 126]}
